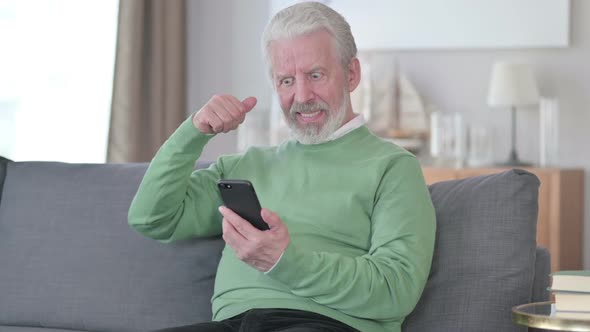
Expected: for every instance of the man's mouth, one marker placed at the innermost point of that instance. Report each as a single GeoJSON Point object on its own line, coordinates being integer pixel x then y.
{"type": "Point", "coordinates": [310, 117]}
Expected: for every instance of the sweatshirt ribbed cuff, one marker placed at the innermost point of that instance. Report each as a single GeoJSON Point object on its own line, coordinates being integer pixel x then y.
{"type": "Point", "coordinates": [188, 138]}
{"type": "Point", "coordinates": [291, 267]}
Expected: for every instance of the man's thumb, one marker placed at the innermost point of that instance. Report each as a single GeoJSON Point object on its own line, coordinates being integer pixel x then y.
{"type": "Point", "coordinates": [249, 103]}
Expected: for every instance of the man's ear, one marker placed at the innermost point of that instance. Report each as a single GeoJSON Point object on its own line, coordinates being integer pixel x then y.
{"type": "Point", "coordinates": [354, 74]}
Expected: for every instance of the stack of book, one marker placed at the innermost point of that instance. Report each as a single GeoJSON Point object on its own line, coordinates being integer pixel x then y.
{"type": "Point", "coordinates": [572, 294]}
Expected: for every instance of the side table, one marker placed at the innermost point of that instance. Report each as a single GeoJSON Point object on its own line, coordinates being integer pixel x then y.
{"type": "Point", "coordinates": [543, 315]}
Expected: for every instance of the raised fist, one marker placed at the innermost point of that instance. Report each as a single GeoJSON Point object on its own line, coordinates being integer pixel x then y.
{"type": "Point", "coordinates": [222, 114]}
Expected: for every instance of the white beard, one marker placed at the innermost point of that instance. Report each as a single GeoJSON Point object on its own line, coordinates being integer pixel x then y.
{"type": "Point", "coordinates": [313, 133]}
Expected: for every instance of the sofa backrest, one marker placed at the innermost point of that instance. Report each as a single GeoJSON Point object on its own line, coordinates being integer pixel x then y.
{"type": "Point", "coordinates": [484, 257]}
{"type": "Point", "coordinates": [69, 260]}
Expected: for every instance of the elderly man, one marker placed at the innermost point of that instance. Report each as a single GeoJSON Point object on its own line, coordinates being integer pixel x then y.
{"type": "Point", "coordinates": [351, 222]}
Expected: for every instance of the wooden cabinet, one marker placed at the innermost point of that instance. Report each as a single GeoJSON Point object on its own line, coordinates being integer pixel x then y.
{"type": "Point", "coordinates": [561, 209]}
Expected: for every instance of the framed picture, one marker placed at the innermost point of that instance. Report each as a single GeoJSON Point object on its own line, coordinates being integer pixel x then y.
{"type": "Point", "coordinates": [453, 24]}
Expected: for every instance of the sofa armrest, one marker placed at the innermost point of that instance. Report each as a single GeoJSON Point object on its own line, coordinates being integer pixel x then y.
{"type": "Point", "coordinates": [541, 279]}
{"type": "Point", "coordinates": [3, 162]}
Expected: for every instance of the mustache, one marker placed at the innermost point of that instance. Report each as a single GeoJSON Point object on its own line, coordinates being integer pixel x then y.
{"type": "Point", "coordinates": [309, 107]}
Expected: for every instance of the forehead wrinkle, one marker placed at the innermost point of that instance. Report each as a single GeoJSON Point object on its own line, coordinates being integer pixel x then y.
{"type": "Point", "coordinates": [282, 62]}
{"type": "Point", "coordinates": [290, 59]}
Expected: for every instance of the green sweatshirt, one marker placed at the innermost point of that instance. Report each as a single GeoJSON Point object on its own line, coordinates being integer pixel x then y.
{"type": "Point", "coordinates": [359, 215]}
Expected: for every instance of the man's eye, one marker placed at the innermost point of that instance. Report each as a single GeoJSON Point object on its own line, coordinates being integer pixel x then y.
{"type": "Point", "coordinates": [287, 81]}
{"type": "Point", "coordinates": [316, 76]}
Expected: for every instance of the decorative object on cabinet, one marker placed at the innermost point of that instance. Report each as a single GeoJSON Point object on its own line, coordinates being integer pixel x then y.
{"type": "Point", "coordinates": [447, 139]}
{"type": "Point", "coordinates": [548, 132]}
{"type": "Point", "coordinates": [561, 209]}
{"type": "Point", "coordinates": [512, 85]}
{"type": "Point", "coordinates": [390, 103]}
{"type": "Point", "coordinates": [479, 146]}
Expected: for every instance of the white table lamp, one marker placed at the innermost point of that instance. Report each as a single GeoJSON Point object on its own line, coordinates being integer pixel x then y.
{"type": "Point", "coordinates": [512, 85]}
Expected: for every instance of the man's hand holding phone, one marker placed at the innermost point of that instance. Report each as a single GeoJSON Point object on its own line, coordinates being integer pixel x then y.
{"type": "Point", "coordinates": [222, 114]}
{"type": "Point", "coordinates": [259, 249]}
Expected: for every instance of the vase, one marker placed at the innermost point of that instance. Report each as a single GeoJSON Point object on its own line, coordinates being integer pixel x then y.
{"type": "Point", "coordinates": [549, 132]}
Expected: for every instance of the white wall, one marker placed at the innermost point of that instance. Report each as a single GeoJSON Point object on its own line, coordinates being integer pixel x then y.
{"type": "Point", "coordinates": [457, 81]}
{"type": "Point", "coordinates": [224, 56]}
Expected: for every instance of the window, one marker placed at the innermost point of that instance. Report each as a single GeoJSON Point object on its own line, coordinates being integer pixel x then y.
{"type": "Point", "coordinates": [56, 73]}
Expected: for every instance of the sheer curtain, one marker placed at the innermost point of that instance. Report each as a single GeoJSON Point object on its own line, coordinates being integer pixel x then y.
{"type": "Point", "coordinates": [56, 74]}
{"type": "Point", "coordinates": [149, 89]}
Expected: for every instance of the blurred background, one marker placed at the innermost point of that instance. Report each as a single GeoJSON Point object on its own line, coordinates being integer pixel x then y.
{"type": "Point", "coordinates": [93, 81]}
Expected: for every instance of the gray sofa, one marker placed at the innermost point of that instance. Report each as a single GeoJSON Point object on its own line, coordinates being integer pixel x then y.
{"type": "Point", "coordinates": [69, 261]}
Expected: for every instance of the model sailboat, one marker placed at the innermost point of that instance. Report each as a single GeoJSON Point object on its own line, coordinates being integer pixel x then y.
{"type": "Point", "coordinates": [391, 105]}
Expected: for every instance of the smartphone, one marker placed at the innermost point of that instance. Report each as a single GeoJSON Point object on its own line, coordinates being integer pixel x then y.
{"type": "Point", "coordinates": [240, 197]}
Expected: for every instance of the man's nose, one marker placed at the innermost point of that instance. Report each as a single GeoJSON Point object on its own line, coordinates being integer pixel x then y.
{"type": "Point", "coordinates": [303, 91]}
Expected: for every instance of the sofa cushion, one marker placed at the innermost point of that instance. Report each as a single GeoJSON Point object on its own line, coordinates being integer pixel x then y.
{"type": "Point", "coordinates": [69, 260]}
{"type": "Point", "coordinates": [484, 257]}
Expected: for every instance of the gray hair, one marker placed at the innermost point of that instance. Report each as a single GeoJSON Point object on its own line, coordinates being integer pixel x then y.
{"type": "Point", "coordinates": [308, 17]}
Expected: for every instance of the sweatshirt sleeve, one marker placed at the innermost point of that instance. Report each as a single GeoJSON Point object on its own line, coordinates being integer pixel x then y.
{"type": "Point", "coordinates": [385, 283]}
{"type": "Point", "coordinates": [173, 201]}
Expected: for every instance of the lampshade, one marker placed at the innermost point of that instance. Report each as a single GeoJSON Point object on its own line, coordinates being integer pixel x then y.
{"type": "Point", "coordinates": [512, 84]}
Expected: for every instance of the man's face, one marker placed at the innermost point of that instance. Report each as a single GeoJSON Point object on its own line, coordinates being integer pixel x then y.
{"type": "Point", "coordinates": [312, 86]}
